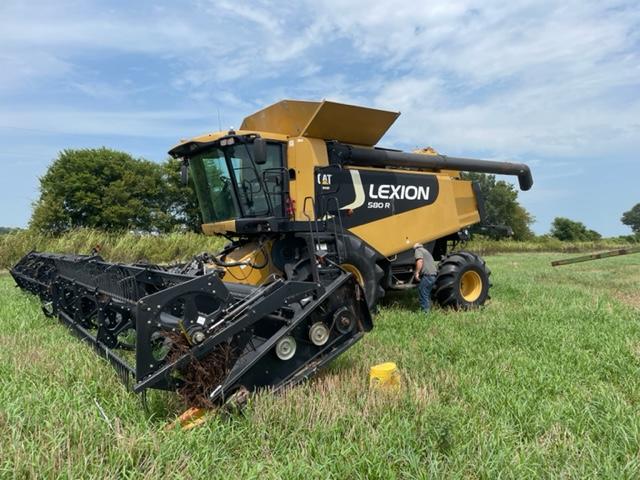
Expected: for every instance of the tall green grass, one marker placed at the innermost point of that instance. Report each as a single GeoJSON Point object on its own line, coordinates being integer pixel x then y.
{"type": "Point", "coordinates": [114, 246]}
{"type": "Point", "coordinates": [132, 247]}
{"type": "Point", "coordinates": [545, 243]}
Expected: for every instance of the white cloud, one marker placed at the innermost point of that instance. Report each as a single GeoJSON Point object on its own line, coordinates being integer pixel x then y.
{"type": "Point", "coordinates": [517, 78]}
{"type": "Point", "coordinates": [21, 69]}
{"type": "Point", "coordinates": [505, 78]}
{"type": "Point", "coordinates": [70, 121]}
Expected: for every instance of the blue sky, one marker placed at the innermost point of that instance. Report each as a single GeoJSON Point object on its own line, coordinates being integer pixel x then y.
{"type": "Point", "coordinates": [552, 84]}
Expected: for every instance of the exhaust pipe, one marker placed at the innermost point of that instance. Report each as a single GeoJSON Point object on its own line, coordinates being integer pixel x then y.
{"type": "Point", "coordinates": [375, 157]}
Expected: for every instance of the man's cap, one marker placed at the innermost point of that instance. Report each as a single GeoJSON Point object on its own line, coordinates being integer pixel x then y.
{"type": "Point", "coordinates": [417, 245]}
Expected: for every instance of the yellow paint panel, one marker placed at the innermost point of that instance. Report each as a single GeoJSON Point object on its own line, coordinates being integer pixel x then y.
{"type": "Point", "coordinates": [227, 226]}
{"type": "Point", "coordinates": [466, 203]}
{"type": "Point", "coordinates": [303, 155]}
{"type": "Point", "coordinates": [288, 117]}
{"type": "Point", "coordinates": [246, 274]}
{"type": "Point", "coordinates": [349, 123]}
{"type": "Point", "coordinates": [445, 216]}
{"type": "Point", "coordinates": [323, 120]}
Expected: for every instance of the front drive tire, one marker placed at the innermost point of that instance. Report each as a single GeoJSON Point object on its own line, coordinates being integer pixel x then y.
{"type": "Point", "coordinates": [462, 282]}
{"type": "Point", "coordinates": [360, 261]}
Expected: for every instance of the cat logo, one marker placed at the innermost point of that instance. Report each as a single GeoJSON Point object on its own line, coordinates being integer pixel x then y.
{"type": "Point", "coordinates": [324, 179]}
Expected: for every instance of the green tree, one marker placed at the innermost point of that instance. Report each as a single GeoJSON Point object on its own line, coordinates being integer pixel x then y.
{"type": "Point", "coordinates": [111, 190]}
{"type": "Point", "coordinates": [182, 198]}
{"type": "Point", "coordinates": [632, 218]}
{"type": "Point", "coordinates": [501, 205]}
{"type": "Point", "coordinates": [570, 231]}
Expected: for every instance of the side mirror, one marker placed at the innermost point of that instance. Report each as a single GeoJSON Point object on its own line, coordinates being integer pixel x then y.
{"type": "Point", "coordinates": [260, 151]}
{"type": "Point", "coordinates": [184, 172]}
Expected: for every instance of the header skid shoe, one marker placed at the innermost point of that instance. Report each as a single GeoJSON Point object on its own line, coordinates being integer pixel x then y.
{"type": "Point", "coordinates": [194, 333]}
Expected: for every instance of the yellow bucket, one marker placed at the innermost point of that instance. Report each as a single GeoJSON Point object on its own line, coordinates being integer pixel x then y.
{"type": "Point", "coordinates": [384, 375]}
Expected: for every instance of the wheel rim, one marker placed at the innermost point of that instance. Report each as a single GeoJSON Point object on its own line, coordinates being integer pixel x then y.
{"type": "Point", "coordinates": [470, 285]}
{"type": "Point", "coordinates": [286, 348]}
{"type": "Point", "coordinates": [353, 270]}
{"type": "Point", "coordinates": [318, 334]}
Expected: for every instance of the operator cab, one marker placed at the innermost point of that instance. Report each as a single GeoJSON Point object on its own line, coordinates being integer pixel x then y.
{"type": "Point", "coordinates": [237, 177]}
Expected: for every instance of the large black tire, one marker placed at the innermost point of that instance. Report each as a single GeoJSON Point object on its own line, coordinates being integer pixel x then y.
{"type": "Point", "coordinates": [462, 282]}
{"type": "Point", "coordinates": [360, 260]}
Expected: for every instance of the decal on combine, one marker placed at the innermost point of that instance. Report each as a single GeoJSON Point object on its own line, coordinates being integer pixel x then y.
{"type": "Point", "coordinates": [363, 196]}
{"type": "Point", "coordinates": [399, 192]}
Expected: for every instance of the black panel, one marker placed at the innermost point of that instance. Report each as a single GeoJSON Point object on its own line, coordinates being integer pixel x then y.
{"type": "Point", "coordinates": [363, 196]}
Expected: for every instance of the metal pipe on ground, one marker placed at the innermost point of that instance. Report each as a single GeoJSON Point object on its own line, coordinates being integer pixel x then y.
{"type": "Point", "coordinates": [596, 256]}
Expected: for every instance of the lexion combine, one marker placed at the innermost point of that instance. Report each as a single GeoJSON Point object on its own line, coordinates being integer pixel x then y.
{"type": "Point", "coordinates": [320, 223]}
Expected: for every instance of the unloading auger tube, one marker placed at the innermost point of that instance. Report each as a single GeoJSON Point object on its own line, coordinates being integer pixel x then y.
{"type": "Point", "coordinates": [176, 325]}
{"type": "Point", "coordinates": [376, 157]}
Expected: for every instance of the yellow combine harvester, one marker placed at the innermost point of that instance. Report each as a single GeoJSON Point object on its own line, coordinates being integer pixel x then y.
{"type": "Point", "coordinates": [321, 223]}
{"type": "Point", "coordinates": [307, 172]}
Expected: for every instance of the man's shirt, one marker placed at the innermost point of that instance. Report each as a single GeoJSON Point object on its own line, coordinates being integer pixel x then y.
{"type": "Point", "coordinates": [428, 263]}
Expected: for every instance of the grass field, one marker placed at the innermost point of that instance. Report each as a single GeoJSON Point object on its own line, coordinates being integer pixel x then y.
{"type": "Point", "coordinates": [543, 382]}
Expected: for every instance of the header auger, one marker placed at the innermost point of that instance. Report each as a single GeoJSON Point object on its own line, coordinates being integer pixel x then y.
{"type": "Point", "coordinates": [321, 223]}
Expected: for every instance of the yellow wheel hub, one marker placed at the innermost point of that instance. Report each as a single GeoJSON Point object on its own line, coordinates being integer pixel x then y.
{"type": "Point", "coordinates": [353, 270]}
{"type": "Point", "coordinates": [470, 285]}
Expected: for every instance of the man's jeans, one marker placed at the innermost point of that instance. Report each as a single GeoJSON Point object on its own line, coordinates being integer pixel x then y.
{"type": "Point", "coordinates": [424, 291]}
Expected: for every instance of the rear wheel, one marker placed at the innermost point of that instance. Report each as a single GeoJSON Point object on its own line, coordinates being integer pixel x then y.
{"type": "Point", "coordinates": [360, 261]}
{"type": "Point", "coordinates": [462, 282]}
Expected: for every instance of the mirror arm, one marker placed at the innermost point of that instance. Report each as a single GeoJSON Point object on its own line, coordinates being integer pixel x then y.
{"type": "Point", "coordinates": [184, 171]}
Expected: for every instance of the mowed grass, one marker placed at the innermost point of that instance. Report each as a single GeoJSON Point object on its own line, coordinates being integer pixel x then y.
{"type": "Point", "coordinates": [543, 382]}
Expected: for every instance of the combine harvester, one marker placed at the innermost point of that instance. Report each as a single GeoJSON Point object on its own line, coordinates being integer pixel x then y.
{"type": "Point", "coordinates": [321, 223]}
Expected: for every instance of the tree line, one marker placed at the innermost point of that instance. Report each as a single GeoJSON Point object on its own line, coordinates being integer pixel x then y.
{"type": "Point", "coordinates": [111, 190]}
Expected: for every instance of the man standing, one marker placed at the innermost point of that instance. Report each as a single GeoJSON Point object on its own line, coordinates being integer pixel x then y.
{"type": "Point", "coordinates": [425, 274]}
